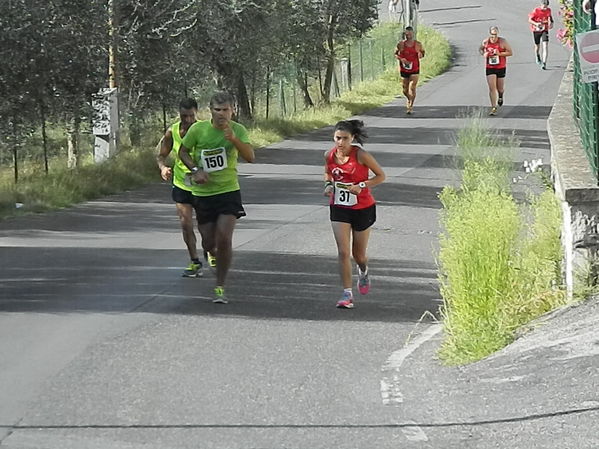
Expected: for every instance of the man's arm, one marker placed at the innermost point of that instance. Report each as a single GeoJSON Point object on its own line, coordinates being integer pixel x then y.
{"type": "Point", "coordinates": [531, 19]}
{"type": "Point", "coordinates": [508, 49]}
{"type": "Point", "coordinates": [481, 49]}
{"type": "Point", "coordinates": [421, 50]}
{"type": "Point", "coordinates": [186, 157]}
{"type": "Point", "coordinates": [198, 176]}
{"type": "Point", "coordinates": [166, 146]}
{"type": "Point", "coordinates": [245, 149]}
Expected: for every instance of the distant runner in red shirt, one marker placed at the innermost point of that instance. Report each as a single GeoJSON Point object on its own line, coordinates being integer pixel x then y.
{"type": "Point", "coordinates": [409, 52]}
{"type": "Point", "coordinates": [541, 21]}
{"type": "Point", "coordinates": [496, 50]}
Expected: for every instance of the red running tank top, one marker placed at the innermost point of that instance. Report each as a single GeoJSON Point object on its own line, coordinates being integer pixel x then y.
{"type": "Point", "coordinates": [542, 16]}
{"type": "Point", "coordinates": [352, 172]}
{"type": "Point", "coordinates": [411, 55]}
{"type": "Point", "coordinates": [495, 62]}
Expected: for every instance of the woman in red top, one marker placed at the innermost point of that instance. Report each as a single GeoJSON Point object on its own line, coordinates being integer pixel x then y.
{"type": "Point", "coordinates": [541, 21]}
{"type": "Point", "coordinates": [352, 206]}
{"type": "Point", "coordinates": [409, 52]}
{"type": "Point", "coordinates": [496, 50]}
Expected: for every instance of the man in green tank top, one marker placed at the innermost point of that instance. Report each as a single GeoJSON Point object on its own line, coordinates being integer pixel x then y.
{"type": "Point", "coordinates": [181, 179]}
{"type": "Point", "coordinates": [210, 150]}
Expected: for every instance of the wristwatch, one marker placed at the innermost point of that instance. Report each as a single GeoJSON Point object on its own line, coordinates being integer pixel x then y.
{"type": "Point", "coordinates": [362, 185]}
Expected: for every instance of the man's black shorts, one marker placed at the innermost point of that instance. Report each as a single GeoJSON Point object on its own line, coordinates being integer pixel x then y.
{"type": "Point", "coordinates": [182, 196]}
{"type": "Point", "coordinates": [408, 75]}
{"type": "Point", "coordinates": [499, 72]}
{"type": "Point", "coordinates": [359, 219]}
{"type": "Point", "coordinates": [539, 36]}
{"type": "Point", "coordinates": [208, 208]}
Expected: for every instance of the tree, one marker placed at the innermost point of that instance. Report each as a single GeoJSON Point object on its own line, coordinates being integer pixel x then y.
{"type": "Point", "coordinates": [232, 37]}
{"type": "Point", "coordinates": [153, 65]}
{"type": "Point", "coordinates": [345, 19]}
{"type": "Point", "coordinates": [57, 58]}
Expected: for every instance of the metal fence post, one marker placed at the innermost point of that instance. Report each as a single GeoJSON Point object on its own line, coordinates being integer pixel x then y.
{"type": "Point", "coordinates": [361, 61]}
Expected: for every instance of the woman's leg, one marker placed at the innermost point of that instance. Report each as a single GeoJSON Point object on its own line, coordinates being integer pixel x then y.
{"type": "Point", "coordinates": [342, 233]}
{"type": "Point", "coordinates": [492, 82]}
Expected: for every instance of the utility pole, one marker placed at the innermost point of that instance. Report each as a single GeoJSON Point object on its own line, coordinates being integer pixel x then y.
{"type": "Point", "coordinates": [105, 103]}
{"type": "Point", "coordinates": [111, 46]}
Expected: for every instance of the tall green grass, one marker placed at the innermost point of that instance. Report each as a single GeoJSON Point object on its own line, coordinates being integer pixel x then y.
{"type": "Point", "coordinates": [499, 261]}
{"type": "Point", "coordinates": [63, 187]}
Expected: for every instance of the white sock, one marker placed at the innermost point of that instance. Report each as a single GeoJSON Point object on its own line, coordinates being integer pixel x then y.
{"type": "Point", "coordinates": [362, 273]}
{"type": "Point", "coordinates": [348, 290]}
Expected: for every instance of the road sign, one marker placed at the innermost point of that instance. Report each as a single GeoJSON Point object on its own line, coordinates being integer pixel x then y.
{"type": "Point", "coordinates": [588, 52]}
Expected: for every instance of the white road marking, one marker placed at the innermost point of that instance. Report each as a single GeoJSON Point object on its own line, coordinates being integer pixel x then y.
{"type": "Point", "coordinates": [414, 433]}
{"type": "Point", "coordinates": [390, 383]}
{"type": "Point", "coordinates": [397, 358]}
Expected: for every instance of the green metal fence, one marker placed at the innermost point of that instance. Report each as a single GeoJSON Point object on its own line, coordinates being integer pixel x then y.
{"type": "Point", "coordinates": [586, 109]}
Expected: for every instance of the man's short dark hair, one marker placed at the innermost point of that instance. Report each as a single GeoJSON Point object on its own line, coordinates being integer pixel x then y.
{"type": "Point", "coordinates": [188, 103]}
{"type": "Point", "coordinates": [223, 97]}
{"type": "Point", "coordinates": [409, 29]}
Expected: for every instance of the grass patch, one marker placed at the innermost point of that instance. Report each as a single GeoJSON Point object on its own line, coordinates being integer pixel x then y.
{"type": "Point", "coordinates": [500, 261]}
{"type": "Point", "coordinates": [63, 187]}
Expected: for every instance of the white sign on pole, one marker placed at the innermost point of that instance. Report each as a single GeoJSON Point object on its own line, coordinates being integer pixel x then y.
{"type": "Point", "coordinates": [588, 53]}
{"type": "Point", "coordinates": [105, 124]}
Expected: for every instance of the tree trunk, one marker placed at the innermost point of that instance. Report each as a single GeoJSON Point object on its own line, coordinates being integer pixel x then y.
{"type": "Point", "coordinates": [231, 79]}
{"type": "Point", "coordinates": [73, 142]}
{"type": "Point", "coordinates": [328, 78]}
{"type": "Point", "coordinates": [44, 135]}
{"type": "Point", "coordinates": [15, 149]}
{"type": "Point", "coordinates": [302, 82]}
{"type": "Point", "coordinates": [243, 100]}
{"type": "Point", "coordinates": [267, 92]}
{"type": "Point", "coordinates": [253, 94]}
{"type": "Point", "coordinates": [135, 130]}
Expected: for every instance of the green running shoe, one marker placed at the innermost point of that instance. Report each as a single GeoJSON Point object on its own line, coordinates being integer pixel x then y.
{"type": "Point", "coordinates": [193, 270]}
{"type": "Point", "coordinates": [211, 260]}
{"type": "Point", "coordinates": [219, 296]}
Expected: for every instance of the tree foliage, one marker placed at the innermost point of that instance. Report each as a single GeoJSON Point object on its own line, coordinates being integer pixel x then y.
{"type": "Point", "coordinates": [56, 56]}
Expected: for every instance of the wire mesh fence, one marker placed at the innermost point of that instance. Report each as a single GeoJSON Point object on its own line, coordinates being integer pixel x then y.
{"type": "Point", "coordinates": [359, 61]}
{"type": "Point", "coordinates": [586, 105]}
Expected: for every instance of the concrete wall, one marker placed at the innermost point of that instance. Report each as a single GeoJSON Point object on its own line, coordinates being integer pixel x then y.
{"type": "Point", "coordinates": [577, 190]}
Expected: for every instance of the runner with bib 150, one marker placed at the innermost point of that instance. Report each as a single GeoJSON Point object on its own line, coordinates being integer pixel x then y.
{"type": "Point", "coordinates": [210, 150]}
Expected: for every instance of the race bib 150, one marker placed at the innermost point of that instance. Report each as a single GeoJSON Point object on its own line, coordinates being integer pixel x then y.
{"type": "Point", "coordinates": [214, 160]}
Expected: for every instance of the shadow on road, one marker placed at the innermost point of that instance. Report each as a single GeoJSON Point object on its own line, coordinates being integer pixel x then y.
{"type": "Point", "coordinates": [262, 285]}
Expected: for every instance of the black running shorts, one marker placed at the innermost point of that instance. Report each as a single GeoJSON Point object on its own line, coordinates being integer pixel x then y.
{"type": "Point", "coordinates": [539, 36]}
{"type": "Point", "coordinates": [208, 208]}
{"type": "Point", "coordinates": [499, 72]}
{"type": "Point", "coordinates": [408, 75]}
{"type": "Point", "coordinates": [359, 219]}
{"type": "Point", "coordinates": [182, 196]}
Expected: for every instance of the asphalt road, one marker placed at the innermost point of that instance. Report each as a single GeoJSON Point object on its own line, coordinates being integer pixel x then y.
{"type": "Point", "coordinates": [103, 345]}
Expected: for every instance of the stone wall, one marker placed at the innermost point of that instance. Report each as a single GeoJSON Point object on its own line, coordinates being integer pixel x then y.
{"type": "Point", "coordinates": [577, 190]}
